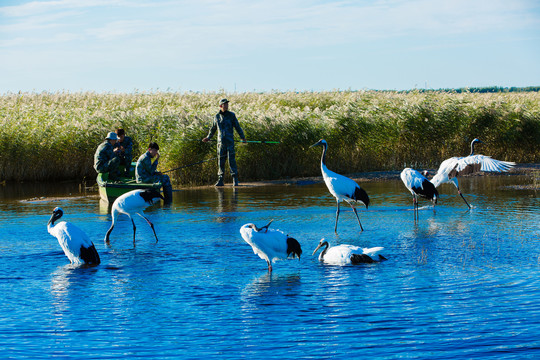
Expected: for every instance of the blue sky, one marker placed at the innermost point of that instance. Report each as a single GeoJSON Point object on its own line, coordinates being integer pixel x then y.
{"type": "Point", "coordinates": [267, 45]}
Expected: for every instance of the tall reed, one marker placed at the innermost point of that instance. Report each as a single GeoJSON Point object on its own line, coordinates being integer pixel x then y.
{"type": "Point", "coordinates": [52, 136]}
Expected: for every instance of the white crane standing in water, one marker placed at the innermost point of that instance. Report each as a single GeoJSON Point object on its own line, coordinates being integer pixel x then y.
{"type": "Point", "coordinates": [131, 203]}
{"type": "Point", "coordinates": [76, 244]}
{"type": "Point", "coordinates": [341, 186]}
{"type": "Point", "coordinates": [348, 254]}
{"type": "Point", "coordinates": [453, 167]}
{"type": "Point", "coordinates": [270, 244]}
{"type": "Point", "coordinates": [418, 185]}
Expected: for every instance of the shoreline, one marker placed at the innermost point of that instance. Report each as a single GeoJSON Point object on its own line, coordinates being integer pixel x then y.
{"type": "Point", "coordinates": [371, 176]}
{"type": "Point", "coordinates": [361, 177]}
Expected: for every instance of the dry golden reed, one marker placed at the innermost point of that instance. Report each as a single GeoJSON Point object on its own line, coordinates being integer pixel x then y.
{"type": "Point", "coordinates": [53, 136]}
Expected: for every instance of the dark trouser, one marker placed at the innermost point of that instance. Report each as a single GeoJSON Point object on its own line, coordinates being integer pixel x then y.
{"type": "Point", "coordinates": [111, 167]}
{"type": "Point", "coordinates": [164, 179]}
{"type": "Point", "coordinates": [166, 184]}
{"type": "Point", "coordinates": [126, 162]}
{"type": "Point", "coordinates": [226, 151]}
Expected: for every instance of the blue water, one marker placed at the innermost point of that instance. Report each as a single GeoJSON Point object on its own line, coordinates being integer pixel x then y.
{"type": "Point", "coordinates": [457, 283]}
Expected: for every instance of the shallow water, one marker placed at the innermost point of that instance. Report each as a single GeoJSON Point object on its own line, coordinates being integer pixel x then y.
{"type": "Point", "coordinates": [457, 283]}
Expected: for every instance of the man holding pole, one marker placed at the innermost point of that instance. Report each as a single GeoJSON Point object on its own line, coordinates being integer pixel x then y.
{"type": "Point", "coordinates": [224, 122]}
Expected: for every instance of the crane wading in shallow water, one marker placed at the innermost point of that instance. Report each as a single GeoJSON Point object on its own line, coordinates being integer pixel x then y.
{"type": "Point", "coordinates": [451, 168]}
{"type": "Point", "coordinates": [270, 244]}
{"type": "Point", "coordinates": [76, 244]}
{"type": "Point", "coordinates": [418, 185]}
{"type": "Point", "coordinates": [341, 187]}
{"type": "Point", "coordinates": [348, 254]}
{"type": "Point", "coordinates": [131, 203]}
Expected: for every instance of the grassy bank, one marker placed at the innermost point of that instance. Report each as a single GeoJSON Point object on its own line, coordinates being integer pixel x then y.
{"type": "Point", "coordinates": [53, 136]}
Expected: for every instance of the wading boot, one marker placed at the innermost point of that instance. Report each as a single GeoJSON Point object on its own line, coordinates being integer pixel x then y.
{"type": "Point", "coordinates": [167, 194]}
{"type": "Point", "coordinates": [235, 180]}
{"type": "Point", "coordinates": [219, 182]}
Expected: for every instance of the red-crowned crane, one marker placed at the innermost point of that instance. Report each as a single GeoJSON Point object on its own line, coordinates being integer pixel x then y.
{"type": "Point", "coordinates": [451, 168]}
{"type": "Point", "coordinates": [76, 244]}
{"type": "Point", "coordinates": [348, 254]}
{"type": "Point", "coordinates": [131, 203]}
{"type": "Point", "coordinates": [341, 186]}
{"type": "Point", "coordinates": [270, 244]}
{"type": "Point", "coordinates": [418, 185]}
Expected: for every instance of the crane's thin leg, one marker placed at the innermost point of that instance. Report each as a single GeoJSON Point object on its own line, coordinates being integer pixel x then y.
{"type": "Point", "coordinates": [417, 213]}
{"type": "Point", "coordinates": [134, 229]}
{"type": "Point", "coordinates": [269, 266]}
{"type": "Point", "coordinates": [151, 225]}
{"type": "Point", "coordinates": [354, 209]}
{"type": "Point", "coordinates": [460, 194]}
{"type": "Point", "coordinates": [337, 216]}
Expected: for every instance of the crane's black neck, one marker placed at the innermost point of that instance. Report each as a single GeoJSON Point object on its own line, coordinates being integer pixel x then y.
{"type": "Point", "coordinates": [325, 244]}
{"type": "Point", "coordinates": [472, 148]}
{"type": "Point", "coordinates": [55, 217]}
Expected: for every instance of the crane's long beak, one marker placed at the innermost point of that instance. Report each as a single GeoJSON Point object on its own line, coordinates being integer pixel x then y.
{"type": "Point", "coordinates": [314, 251]}
{"type": "Point", "coordinates": [52, 219]}
{"type": "Point", "coordinates": [316, 144]}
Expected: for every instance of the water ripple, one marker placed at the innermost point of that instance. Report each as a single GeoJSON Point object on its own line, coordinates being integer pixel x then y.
{"type": "Point", "coordinates": [457, 283]}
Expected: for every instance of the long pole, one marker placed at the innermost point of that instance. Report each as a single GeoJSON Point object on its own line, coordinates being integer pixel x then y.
{"type": "Point", "coordinates": [247, 141]}
{"type": "Point", "coordinates": [217, 157]}
{"type": "Point", "coordinates": [195, 163]}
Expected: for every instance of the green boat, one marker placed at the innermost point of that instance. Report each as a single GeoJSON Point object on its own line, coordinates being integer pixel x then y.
{"type": "Point", "coordinates": [110, 190]}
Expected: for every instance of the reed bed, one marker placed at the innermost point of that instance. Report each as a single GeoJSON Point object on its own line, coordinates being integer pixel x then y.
{"type": "Point", "coordinates": [53, 136]}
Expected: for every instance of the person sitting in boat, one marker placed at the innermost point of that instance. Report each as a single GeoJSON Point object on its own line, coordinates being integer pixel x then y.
{"type": "Point", "coordinates": [106, 159]}
{"type": "Point", "coordinates": [145, 171]}
{"type": "Point", "coordinates": [125, 144]}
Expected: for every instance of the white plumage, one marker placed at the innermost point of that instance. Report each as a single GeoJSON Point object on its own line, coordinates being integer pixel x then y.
{"type": "Point", "coordinates": [418, 185]}
{"type": "Point", "coordinates": [348, 254]}
{"type": "Point", "coordinates": [270, 244]}
{"type": "Point", "coordinates": [341, 187]}
{"type": "Point", "coordinates": [451, 168]}
{"type": "Point", "coordinates": [76, 244]}
{"type": "Point", "coordinates": [131, 203]}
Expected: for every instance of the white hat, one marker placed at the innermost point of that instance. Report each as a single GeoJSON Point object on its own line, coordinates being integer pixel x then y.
{"type": "Point", "coordinates": [112, 136]}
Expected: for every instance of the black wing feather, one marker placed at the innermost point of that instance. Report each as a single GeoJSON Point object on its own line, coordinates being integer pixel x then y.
{"type": "Point", "coordinates": [360, 195]}
{"type": "Point", "coordinates": [427, 190]}
{"type": "Point", "coordinates": [361, 259]}
{"type": "Point", "coordinates": [90, 255]}
{"type": "Point", "coordinates": [293, 246]}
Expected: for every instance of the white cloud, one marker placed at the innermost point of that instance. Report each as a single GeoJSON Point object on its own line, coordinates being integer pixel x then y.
{"type": "Point", "coordinates": [207, 33]}
{"type": "Point", "coordinates": [277, 23]}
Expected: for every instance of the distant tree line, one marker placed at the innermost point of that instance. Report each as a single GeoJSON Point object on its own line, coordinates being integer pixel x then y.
{"type": "Point", "coordinates": [480, 90]}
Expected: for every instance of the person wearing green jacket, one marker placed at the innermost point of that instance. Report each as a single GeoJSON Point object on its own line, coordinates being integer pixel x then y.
{"type": "Point", "coordinates": [106, 159]}
{"type": "Point", "coordinates": [146, 171]}
{"type": "Point", "coordinates": [125, 152]}
{"type": "Point", "coordinates": [225, 122]}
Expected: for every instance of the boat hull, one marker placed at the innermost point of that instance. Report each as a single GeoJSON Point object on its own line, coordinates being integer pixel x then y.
{"type": "Point", "coordinates": [110, 190]}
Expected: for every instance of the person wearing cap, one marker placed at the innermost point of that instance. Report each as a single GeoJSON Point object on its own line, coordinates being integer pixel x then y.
{"type": "Point", "coordinates": [225, 122]}
{"type": "Point", "coordinates": [125, 152]}
{"type": "Point", "coordinates": [106, 159]}
{"type": "Point", "coordinates": [146, 171]}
